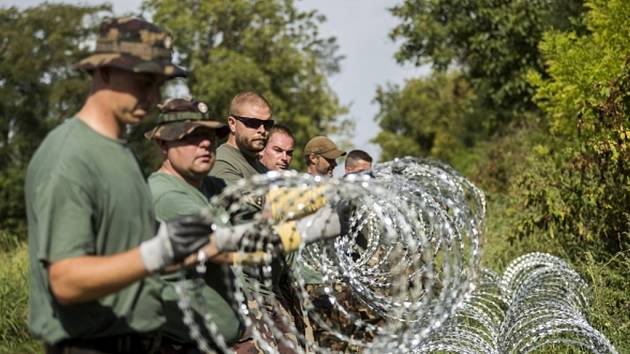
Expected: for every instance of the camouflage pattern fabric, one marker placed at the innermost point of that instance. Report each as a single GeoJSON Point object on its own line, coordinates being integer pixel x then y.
{"type": "Point", "coordinates": [338, 321]}
{"type": "Point", "coordinates": [179, 117]}
{"type": "Point", "coordinates": [133, 44]}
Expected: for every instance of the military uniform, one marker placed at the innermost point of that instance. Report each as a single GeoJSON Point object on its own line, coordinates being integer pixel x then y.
{"type": "Point", "coordinates": [79, 203]}
{"type": "Point", "coordinates": [82, 204]}
{"type": "Point", "coordinates": [232, 165]}
{"type": "Point", "coordinates": [173, 197]}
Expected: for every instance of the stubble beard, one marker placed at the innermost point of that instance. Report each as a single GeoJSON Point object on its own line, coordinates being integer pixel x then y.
{"type": "Point", "coordinates": [248, 146]}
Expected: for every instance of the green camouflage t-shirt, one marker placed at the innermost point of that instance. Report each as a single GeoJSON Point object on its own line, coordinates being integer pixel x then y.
{"type": "Point", "coordinates": [86, 195]}
{"type": "Point", "coordinates": [173, 197]}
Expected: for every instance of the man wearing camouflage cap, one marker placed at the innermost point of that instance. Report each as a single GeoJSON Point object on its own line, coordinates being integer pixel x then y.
{"type": "Point", "coordinates": [321, 155]}
{"type": "Point", "coordinates": [188, 139]}
{"type": "Point", "coordinates": [93, 239]}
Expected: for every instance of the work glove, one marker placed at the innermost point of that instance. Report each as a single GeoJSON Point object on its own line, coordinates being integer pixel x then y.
{"type": "Point", "coordinates": [290, 203]}
{"type": "Point", "coordinates": [328, 222]}
{"type": "Point", "coordinates": [175, 240]}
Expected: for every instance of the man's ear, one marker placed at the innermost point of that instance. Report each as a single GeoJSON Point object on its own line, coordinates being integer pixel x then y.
{"type": "Point", "coordinates": [312, 157]}
{"type": "Point", "coordinates": [232, 124]}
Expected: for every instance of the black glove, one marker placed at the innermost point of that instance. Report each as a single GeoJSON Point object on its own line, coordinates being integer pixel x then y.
{"type": "Point", "coordinates": [175, 240]}
{"type": "Point", "coordinates": [187, 234]}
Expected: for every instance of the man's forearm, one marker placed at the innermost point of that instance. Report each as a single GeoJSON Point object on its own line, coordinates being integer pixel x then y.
{"type": "Point", "coordinates": [87, 278]}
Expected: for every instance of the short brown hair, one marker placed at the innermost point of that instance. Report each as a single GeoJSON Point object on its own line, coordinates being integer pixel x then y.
{"type": "Point", "coordinates": [247, 98]}
{"type": "Point", "coordinates": [281, 129]}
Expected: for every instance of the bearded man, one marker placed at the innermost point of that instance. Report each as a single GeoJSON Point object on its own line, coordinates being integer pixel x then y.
{"type": "Point", "coordinates": [249, 122]}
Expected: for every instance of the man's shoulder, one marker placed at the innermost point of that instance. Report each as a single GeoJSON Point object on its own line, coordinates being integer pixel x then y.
{"type": "Point", "coordinates": [228, 164]}
{"type": "Point", "coordinates": [227, 152]}
{"type": "Point", "coordinates": [173, 197]}
{"type": "Point", "coordinates": [162, 184]}
{"type": "Point", "coordinates": [57, 152]}
{"type": "Point", "coordinates": [74, 141]}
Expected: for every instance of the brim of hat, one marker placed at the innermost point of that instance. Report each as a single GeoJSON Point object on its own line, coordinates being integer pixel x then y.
{"type": "Point", "coordinates": [131, 63]}
{"type": "Point", "coordinates": [177, 130]}
{"type": "Point", "coordinates": [333, 154]}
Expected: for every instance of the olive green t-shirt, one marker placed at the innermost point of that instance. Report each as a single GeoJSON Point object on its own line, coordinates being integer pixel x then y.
{"type": "Point", "coordinates": [232, 165]}
{"type": "Point", "coordinates": [86, 195]}
{"type": "Point", "coordinates": [173, 197]}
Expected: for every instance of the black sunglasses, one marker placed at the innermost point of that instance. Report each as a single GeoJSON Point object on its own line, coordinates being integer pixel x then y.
{"type": "Point", "coordinates": [254, 123]}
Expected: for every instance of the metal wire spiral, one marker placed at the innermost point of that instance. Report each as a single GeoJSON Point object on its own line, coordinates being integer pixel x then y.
{"type": "Point", "coordinates": [404, 277]}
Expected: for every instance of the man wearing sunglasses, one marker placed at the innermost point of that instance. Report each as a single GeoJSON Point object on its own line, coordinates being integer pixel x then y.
{"type": "Point", "coordinates": [249, 123]}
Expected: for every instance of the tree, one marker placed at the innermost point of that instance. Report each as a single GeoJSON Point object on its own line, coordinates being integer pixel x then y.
{"type": "Point", "coordinates": [38, 87]}
{"type": "Point", "coordinates": [587, 101]}
{"type": "Point", "coordinates": [266, 46]}
{"type": "Point", "coordinates": [493, 42]}
{"type": "Point", "coordinates": [427, 117]}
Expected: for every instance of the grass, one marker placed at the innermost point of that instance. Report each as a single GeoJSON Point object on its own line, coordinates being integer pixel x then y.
{"type": "Point", "coordinates": [609, 278]}
{"type": "Point", "coordinates": [14, 335]}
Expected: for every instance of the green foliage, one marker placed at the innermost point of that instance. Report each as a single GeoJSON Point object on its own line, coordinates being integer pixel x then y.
{"type": "Point", "coordinates": [494, 42]}
{"type": "Point", "coordinates": [38, 88]}
{"type": "Point", "coordinates": [14, 335]}
{"type": "Point", "coordinates": [587, 98]}
{"type": "Point", "coordinates": [570, 194]}
{"type": "Point", "coordinates": [12, 209]}
{"type": "Point", "coordinates": [266, 46]}
{"type": "Point", "coordinates": [557, 175]}
{"type": "Point", "coordinates": [427, 117]}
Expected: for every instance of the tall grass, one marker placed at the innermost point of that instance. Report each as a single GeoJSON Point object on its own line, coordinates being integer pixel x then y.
{"type": "Point", "coordinates": [14, 335]}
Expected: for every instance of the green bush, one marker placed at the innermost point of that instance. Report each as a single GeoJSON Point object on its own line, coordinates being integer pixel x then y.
{"type": "Point", "coordinates": [502, 163]}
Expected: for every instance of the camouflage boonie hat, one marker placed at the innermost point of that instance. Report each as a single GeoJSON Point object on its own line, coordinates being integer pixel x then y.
{"type": "Point", "coordinates": [180, 116]}
{"type": "Point", "coordinates": [133, 44]}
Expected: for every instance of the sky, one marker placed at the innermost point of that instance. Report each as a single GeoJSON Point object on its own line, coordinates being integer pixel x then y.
{"type": "Point", "coordinates": [361, 28]}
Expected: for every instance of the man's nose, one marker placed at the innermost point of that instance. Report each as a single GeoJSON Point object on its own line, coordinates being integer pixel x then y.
{"type": "Point", "coordinates": [205, 142]}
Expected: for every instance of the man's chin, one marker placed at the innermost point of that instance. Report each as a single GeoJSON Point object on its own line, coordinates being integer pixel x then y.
{"type": "Point", "coordinates": [257, 145]}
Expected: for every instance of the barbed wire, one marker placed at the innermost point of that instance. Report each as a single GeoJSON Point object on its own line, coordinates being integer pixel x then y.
{"type": "Point", "coordinates": [403, 277]}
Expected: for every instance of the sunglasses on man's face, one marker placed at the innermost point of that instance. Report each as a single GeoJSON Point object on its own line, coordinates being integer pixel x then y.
{"type": "Point", "coordinates": [254, 123]}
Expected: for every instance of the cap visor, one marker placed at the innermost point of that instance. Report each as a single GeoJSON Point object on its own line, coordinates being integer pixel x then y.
{"type": "Point", "coordinates": [333, 154]}
{"type": "Point", "coordinates": [178, 130]}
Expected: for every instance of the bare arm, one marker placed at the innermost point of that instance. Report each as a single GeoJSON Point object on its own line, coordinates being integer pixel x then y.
{"type": "Point", "coordinates": [87, 278]}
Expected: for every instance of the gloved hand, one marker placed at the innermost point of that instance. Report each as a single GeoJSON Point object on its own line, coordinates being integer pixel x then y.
{"type": "Point", "coordinates": [295, 202]}
{"type": "Point", "coordinates": [175, 240]}
{"type": "Point", "coordinates": [326, 223]}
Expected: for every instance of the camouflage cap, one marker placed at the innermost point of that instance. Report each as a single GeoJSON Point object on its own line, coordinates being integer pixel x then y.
{"type": "Point", "coordinates": [180, 116]}
{"type": "Point", "coordinates": [132, 43]}
{"type": "Point", "coordinates": [323, 146]}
